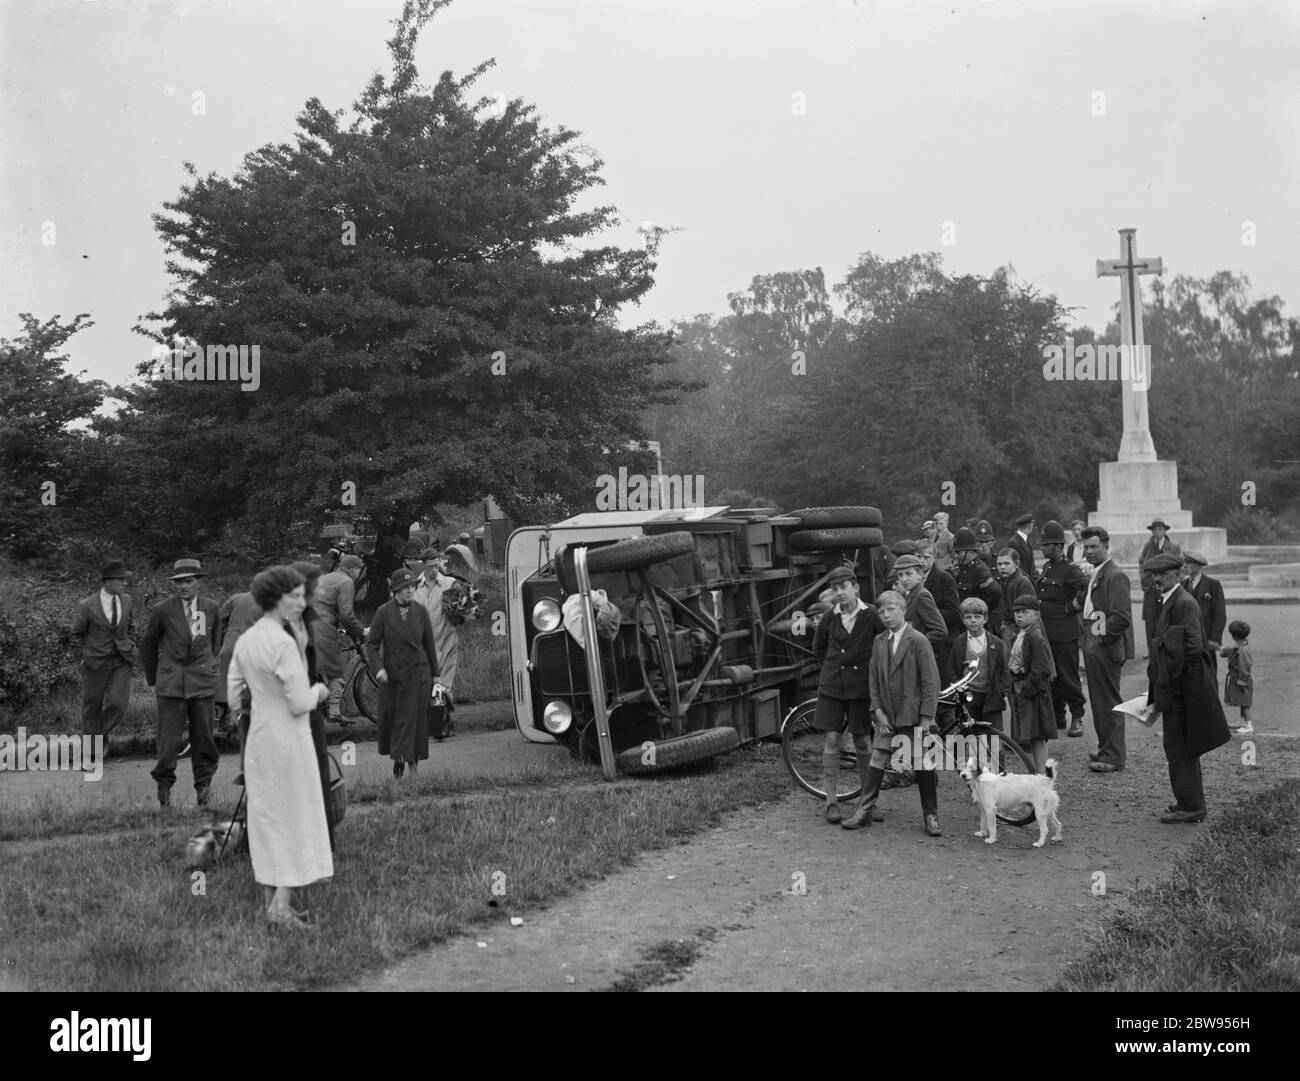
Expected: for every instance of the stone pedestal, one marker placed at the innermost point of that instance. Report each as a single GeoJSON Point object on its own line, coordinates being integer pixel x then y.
{"type": "Point", "coordinates": [1132, 495]}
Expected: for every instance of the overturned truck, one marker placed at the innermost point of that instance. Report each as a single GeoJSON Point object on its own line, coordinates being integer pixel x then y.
{"type": "Point", "coordinates": [652, 639]}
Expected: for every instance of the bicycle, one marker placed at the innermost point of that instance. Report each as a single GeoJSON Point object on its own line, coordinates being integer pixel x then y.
{"type": "Point", "coordinates": [801, 749]}
{"type": "Point", "coordinates": [358, 681]}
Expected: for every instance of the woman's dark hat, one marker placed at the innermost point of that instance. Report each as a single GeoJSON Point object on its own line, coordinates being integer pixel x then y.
{"type": "Point", "coordinates": [400, 578]}
{"type": "Point", "coordinates": [114, 568]}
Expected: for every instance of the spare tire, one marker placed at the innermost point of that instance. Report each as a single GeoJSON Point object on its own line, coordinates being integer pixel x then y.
{"type": "Point", "coordinates": [680, 750]}
{"type": "Point", "coordinates": [634, 552]}
{"type": "Point", "coordinates": [836, 517]}
{"type": "Point", "coordinates": [821, 540]}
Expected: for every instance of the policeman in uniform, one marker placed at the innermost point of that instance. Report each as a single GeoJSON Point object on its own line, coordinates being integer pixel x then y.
{"type": "Point", "coordinates": [1061, 586]}
{"type": "Point", "coordinates": [986, 545]}
{"type": "Point", "coordinates": [974, 576]}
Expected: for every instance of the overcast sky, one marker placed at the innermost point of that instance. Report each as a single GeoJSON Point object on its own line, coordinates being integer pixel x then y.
{"type": "Point", "coordinates": [775, 134]}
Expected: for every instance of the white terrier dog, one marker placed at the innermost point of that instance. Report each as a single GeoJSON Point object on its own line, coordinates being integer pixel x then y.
{"type": "Point", "coordinates": [992, 791]}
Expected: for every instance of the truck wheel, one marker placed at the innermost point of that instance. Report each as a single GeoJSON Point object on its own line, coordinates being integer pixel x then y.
{"type": "Point", "coordinates": [680, 751]}
{"type": "Point", "coordinates": [836, 517]}
{"type": "Point", "coordinates": [634, 552]}
{"type": "Point", "coordinates": [821, 540]}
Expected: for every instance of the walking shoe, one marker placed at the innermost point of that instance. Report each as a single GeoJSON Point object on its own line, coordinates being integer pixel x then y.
{"type": "Point", "coordinates": [204, 796]}
{"type": "Point", "coordinates": [164, 795]}
{"type": "Point", "coordinates": [1093, 756]}
{"type": "Point", "coordinates": [1104, 767]}
{"type": "Point", "coordinates": [1076, 727]}
{"type": "Point", "coordinates": [932, 826]}
{"type": "Point", "coordinates": [1179, 817]}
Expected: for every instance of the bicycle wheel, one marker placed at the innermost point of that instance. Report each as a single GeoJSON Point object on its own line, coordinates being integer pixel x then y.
{"type": "Point", "coordinates": [365, 691]}
{"type": "Point", "coordinates": [801, 749]}
{"type": "Point", "coordinates": [997, 747]}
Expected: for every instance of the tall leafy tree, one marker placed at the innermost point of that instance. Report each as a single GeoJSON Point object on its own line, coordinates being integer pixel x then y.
{"type": "Point", "coordinates": [43, 457]}
{"type": "Point", "coordinates": [434, 314]}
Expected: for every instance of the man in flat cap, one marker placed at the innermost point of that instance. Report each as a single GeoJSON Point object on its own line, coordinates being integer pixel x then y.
{"type": "Point", "coordinates": [921, 609]}
{"type": "Point", "coordinates": [1182, 688]}
{"type": "Point", "coordinates": [101, 626]}
{"type": "Point", "coordinates": [1207, 592]}
{"type": "Point", "coordinates": [335, 602]}
{"type": "Point", "coordinates": [1158, 544]}
{"type": "Point", "coordinates": [179, 652]}
{"type": "Point", "coordinates": [1019, 542]}
{"type": "Point", "coordinates": [843, 642]}
{"type": "Point", "coordinates": [1107, 644]}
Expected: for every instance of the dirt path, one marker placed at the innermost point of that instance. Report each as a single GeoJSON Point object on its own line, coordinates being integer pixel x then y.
{"type": "Point", "coordinates": [903, 911]}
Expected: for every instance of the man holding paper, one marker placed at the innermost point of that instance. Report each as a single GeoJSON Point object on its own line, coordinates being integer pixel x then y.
{"type": "Point", "coordinates": [1107, 644]}
{"type": "Point", "coordinates": [1182, 687]}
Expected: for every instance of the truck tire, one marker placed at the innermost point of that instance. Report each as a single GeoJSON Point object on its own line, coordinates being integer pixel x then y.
{"type": "Point", "coordinates": [836, 517]}
{"type": "Point", "coordinates": [634, 552]}
{"type": "Point", "coordinates": [822, 540]}
{"type": "Point", "coordinates": [680, 751]}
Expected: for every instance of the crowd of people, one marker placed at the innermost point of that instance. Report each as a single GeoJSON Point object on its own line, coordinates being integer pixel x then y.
{"type": "Point", "coordinates": [268, 662]}
{"type": "Point", "coordinates": [956, 602]}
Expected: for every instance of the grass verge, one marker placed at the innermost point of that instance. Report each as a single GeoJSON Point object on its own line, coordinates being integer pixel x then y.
{"type": "Point", "coordinates": [1225, 920]}
{"type": "Point", "coordinates": [122, 912]}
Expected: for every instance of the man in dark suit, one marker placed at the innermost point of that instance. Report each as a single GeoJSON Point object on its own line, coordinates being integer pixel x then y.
{"type": "Point", "coordinates": [843, 645]}
{"type": "Point", "coordinates": [904, 683]}
{"type": "Point", "coordinates": [1019, 543]}
{"type": "Point", "coordinates": [238, 612]}
{"type": "Point", "coordinates": [1182, 689]}
{"type": "Point", "coordinates": [1159, 544]}
{"type": "Point", "coordinates": [1061, 586]}
{"type": "Point", "coordinates": [1107, 644]}
{"type": "Point", "coordinates": [179, 652]}
{"type": "Point", "coordinates": [101, 626]}
{"type": "Point", "coordinates": [1207, 592]}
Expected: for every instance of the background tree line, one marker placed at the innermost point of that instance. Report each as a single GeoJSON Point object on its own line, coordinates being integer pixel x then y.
{"type": "Point", "coordinates": [437, 315]}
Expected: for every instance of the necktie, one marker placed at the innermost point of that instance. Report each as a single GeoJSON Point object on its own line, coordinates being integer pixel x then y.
{"type": "Point", "coordinates": [893, 644]}
{"type": "Point", "coordinates": [115, 615]}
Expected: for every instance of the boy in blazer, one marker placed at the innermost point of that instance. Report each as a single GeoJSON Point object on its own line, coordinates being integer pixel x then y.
{"type": "Point", "coordinates": [843, 643]}
{"type": "Point", "coordinates": [1180, 685]}
{"type": "Point", "coordinates": [1107, 644]}
{"type": "Point", "coordinates": [101, 626]}
{"type": "Point", "coordinates": [992, 684]}
{"type": "Point", "coordinates": [179, 653]}
{"type": "Point", "coordinates": [904, 684]}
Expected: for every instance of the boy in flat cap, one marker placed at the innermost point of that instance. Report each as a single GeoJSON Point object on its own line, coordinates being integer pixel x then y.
{"type": "Point", "coordinates": [843, 642]}
{"type": "Point", "coordinates": [1033, 717]}
{"type": "Point", "coordinates": [1180, 685]}
{"type": "Point", "coordinates": [101, 626]}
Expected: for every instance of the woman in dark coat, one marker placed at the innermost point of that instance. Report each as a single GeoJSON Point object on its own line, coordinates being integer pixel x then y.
{"type": "Point", "coordinates": [1033, 718]}
{"type": "Point", "coordinates": [401, 650]}
{"type": "Point", "coordinates": [322, 666]}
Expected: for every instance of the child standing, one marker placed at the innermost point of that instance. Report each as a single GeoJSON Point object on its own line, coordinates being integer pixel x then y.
{"type": "Point", "coordinates": [1239, 688]}
{"type": "Point", "coordinates": [1033, 718]}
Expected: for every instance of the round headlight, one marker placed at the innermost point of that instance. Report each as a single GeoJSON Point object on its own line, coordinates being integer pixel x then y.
{"type": "Point", "coordinates": [557, 717]}
{"type": "Point", "coordinates": [546, 614]}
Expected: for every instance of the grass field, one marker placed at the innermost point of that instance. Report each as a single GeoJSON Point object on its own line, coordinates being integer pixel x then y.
{"type": "Point", "coordinates": [113, 907]}
{"type": "Point", "coordinates": [1227, 918]}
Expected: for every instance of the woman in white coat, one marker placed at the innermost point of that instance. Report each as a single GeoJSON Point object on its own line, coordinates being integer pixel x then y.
{"type": "Point", "coordinates": [288, 837]}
